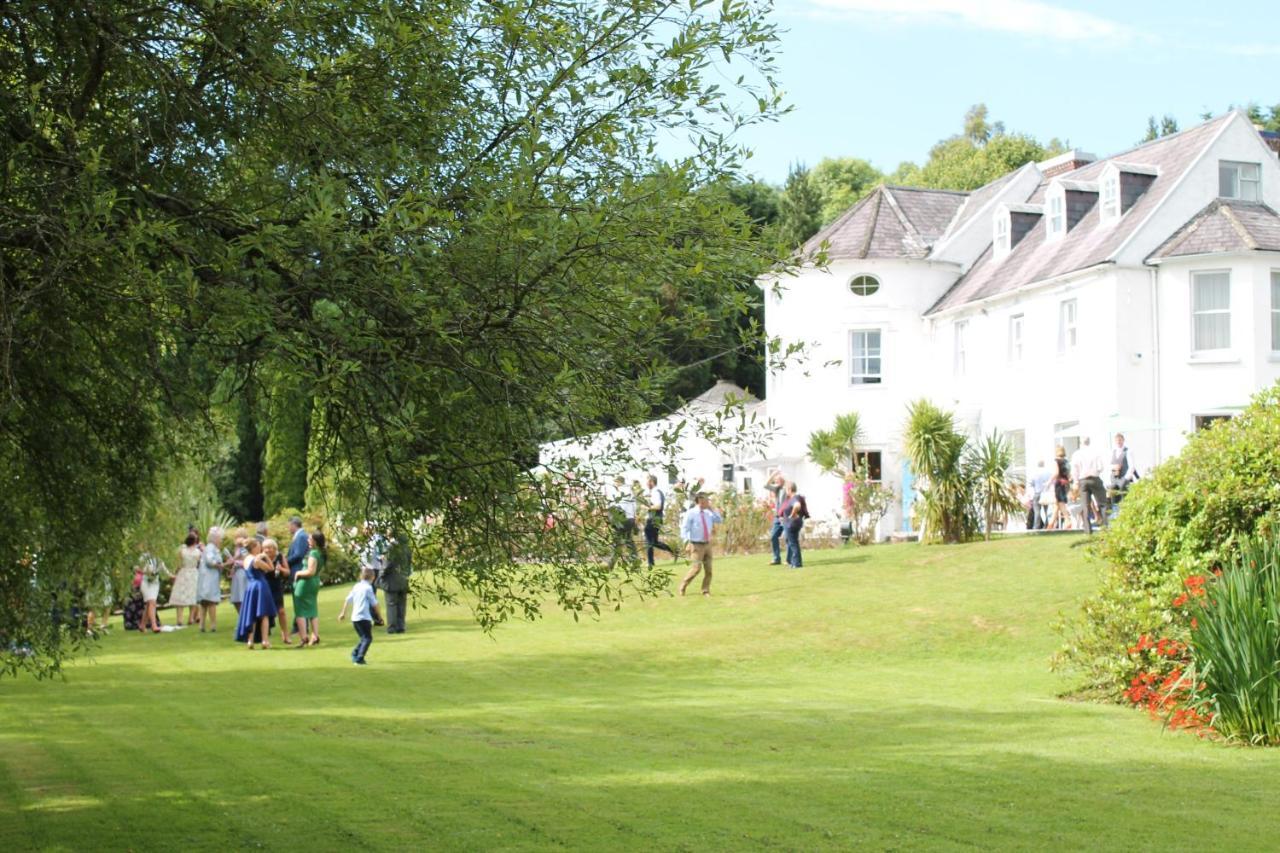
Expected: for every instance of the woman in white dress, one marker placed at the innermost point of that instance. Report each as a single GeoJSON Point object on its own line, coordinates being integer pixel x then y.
{"type": "Point", "coordinates": [183, 594]}
{"type": "Point", "coordinates": [151, 569]}
{"type": "Point", "coordinates": [209, 587]}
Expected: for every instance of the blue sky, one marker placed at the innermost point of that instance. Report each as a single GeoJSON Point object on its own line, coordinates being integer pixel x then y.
{"type": "Point", "coordinates": [885, 79]}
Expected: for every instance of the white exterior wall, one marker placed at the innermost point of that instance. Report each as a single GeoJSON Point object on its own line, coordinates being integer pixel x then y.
{"type": "Point", "coordinates": [817, 308]}
{"type": "Point", "coordinates": [1222, 381]}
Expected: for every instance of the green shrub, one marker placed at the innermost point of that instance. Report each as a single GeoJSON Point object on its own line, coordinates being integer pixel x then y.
{"type": "Point", "coordinates": [1187, 517]}
{"type": "Point", "coordinates": [1235, 643]}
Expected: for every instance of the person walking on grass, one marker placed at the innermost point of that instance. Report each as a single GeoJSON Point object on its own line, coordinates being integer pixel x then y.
{"type": "Point", "coordinates": [657, 501]}
{"type": "Point", "coordinates": [696, 528]}
{"type": "Point", "coordinates": [306, 586]}
{"type": "Point", "coordinates": [364, 609]}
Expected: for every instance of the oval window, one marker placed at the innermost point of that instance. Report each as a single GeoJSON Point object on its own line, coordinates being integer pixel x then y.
{"type": "Point", "coordinates": [864, 285]}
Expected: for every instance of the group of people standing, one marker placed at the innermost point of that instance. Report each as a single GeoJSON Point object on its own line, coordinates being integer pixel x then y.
{"type": "Point", "coordinates": [261, 577]}
{"type": "Point", "coordinates": [1078, 492]}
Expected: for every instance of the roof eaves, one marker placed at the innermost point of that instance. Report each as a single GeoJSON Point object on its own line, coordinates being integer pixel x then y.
{"type": "Point", "coordinates": [1060, 278]}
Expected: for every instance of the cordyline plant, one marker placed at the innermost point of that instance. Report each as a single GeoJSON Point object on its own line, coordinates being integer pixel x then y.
{"type": "Point", "coordinates": [446, 221]}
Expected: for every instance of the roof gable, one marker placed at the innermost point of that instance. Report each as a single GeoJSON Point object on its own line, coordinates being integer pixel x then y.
{"type": "Point", "coordinates": [891, 222]}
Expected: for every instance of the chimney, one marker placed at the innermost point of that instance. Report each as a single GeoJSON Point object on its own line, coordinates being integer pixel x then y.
{"type": "Point", "coordinates": [1068, 161]}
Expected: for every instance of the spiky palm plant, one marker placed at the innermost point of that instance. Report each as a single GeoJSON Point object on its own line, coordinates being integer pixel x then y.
{"type": "Point", "coordinates": [935, 450]}
{"type": "Point", "coordinates": [988, 470]}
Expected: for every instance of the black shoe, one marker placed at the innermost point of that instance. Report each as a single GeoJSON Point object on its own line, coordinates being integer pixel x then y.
{"type": "Point", "coordinates": [775, 563]}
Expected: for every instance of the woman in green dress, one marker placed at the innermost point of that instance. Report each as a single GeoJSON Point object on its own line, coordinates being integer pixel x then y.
{"type": "Point", "coordinates": [306, 586]}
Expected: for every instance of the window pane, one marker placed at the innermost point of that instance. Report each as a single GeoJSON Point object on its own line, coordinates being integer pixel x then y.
{"type": "Point", "coordinates": [1275, 311]}
{"type": "Point", "coordinates": [1212, 292]}
{"type": "Point", "coordinates": [1226, 181]}
{"type": "Point", "coordinates": [1212, 331]}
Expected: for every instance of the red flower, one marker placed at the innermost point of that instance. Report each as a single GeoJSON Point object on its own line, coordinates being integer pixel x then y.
{"type": "Point", "coordinates": [1180, 600]}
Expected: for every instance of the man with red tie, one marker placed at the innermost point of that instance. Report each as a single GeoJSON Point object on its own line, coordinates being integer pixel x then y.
{"type": "Point", "coordinates": [696, 527]}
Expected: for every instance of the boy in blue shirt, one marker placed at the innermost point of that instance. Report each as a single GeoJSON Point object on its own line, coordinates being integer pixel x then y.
{"type": "Point", "coordinates": [364, 608]}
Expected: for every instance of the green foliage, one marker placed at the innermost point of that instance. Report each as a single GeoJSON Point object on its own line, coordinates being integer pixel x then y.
{"type": "Point", "coordinates": [445, 220]}
{"type": "Point", "coordinates": [1185, 517]}
{"type": "Point", "coordinates": [1235, 643]}
{"type": "Point", "coordinates": [988, 464]}
{"type": "Point", "coordinates": [1166, 126]}
{"type": "Point", "coordinates": [746, 521]}
{"type": "Point", "coordinates": [832, 449]}
{"type": "Point", "coordinates": [840, 183]}
{"type": "Point", "coordinates": [980, 154]}
{"type": "Point", "coordinates": [865, 502]}
{"type": "Point", "coordinates": [935, 450]}
{"type": "Point", "coordinates": [799, 208]}
{"type": "Point", "coordinates": [284, 470]}
{"type": "Point", "coordinates": [238, 476]}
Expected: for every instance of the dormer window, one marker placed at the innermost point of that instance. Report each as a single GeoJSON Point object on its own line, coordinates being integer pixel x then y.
{"type": "Point", "coordinates": [1239, 180]}
{"type": "Point", "coordinates": [1002, 234]}
{"type": "Point", "coordinates": [1057, 218]}
{"type": "Point", "coordinates": [1110, 196]}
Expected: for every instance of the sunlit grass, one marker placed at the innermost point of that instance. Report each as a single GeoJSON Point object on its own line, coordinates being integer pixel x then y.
{"type": "Point", "coordinates": [890, 697]}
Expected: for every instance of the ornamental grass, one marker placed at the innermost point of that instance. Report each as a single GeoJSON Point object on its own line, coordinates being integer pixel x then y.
{"type": "Point", "coordinates": [1235, 643]}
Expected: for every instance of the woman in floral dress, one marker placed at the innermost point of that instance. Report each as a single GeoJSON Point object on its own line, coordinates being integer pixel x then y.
{"type": "Point", "coordinates": [183, 594]}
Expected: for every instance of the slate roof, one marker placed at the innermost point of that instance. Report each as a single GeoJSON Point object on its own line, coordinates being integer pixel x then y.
{"type": "Point", "coordinates": [891, 222]}
{"type": "Point", "coordinates": [1225, 225]}
{"type": "Point", "coordinates": [1087, 244]}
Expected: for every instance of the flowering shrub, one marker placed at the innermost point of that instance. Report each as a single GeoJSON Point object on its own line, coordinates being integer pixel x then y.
{"type": "Point", "coordinates": [1187, 516]}
{"type": "Point", "coordinates": [865, 503]}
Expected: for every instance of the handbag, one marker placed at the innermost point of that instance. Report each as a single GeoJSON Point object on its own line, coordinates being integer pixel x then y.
{"type": "Point", "coordinates": [1047, 497]}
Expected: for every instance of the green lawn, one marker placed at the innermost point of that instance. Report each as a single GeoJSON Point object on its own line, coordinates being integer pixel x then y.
{"type": "Point", "coordinates": [891, 697]}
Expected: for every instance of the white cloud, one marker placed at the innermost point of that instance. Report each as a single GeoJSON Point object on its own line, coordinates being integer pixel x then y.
{"type": "Point", "coordinates": [1019, 17]}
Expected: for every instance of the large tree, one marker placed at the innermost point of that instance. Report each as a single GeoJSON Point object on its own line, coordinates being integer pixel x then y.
{"type": "Point", "coordinates": [446, 218]}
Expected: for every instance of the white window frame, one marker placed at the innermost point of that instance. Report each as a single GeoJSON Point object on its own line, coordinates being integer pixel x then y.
{"type": "Point", "coordinates": [1056, 209]}
{"type": "Point", "coordinates": [1018, 465]}
{"type": "Point", "coordinates": [1001, 240]}
{"type": "Point", "coordinates": [1068, 326]}
{"type": "Point", "coordinates": [1017, 323]}
{"type": "Point", "coordinates": [865, 455]}
{"type": "Point", "coordinates": [1109, 196]}
{"type": "Point", "coordinates": [958, 332]}
{"type": "Point", "coordinates": [1242, 188]}
{"type": "Point", "coordinates": [1195, 348]}
{"type": "Point", "coordinates": [859, 380]}
{"type": "Point", "coordinates": [1275, 311]}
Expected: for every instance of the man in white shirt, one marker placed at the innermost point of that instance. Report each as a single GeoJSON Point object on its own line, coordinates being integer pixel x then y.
{"type": "Point", "coordinates": [696, 528]}
{"type": "Point", "coordinates": [657, 501]}
{"type": "Point", "coordinates": [1086, 470]}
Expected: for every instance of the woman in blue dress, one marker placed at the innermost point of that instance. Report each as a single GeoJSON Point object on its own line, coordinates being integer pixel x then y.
{"type": "Point", "coordinates": [258, 610]}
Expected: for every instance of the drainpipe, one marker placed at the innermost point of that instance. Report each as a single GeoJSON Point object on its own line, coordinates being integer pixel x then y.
{"type": "Point", "coordinates": [1155, 360]}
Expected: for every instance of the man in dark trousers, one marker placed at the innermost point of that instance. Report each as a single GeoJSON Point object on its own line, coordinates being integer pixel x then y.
{"type": "Point", "coordinates": [394, 581]}
{"type": "Point", "coordinates": [297, 560]}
